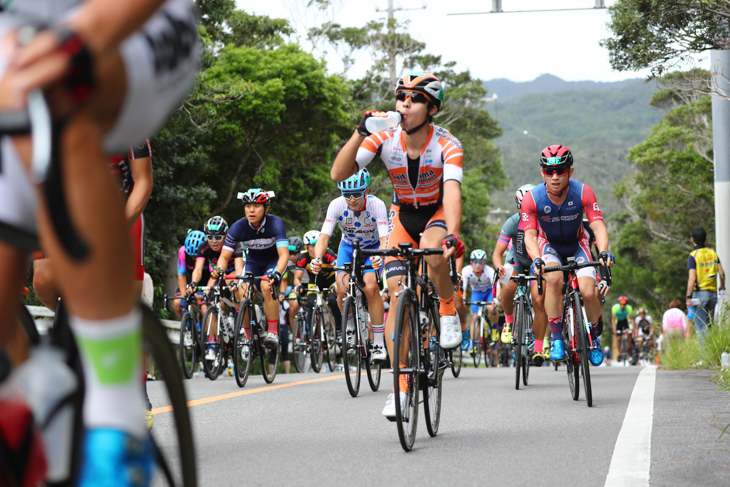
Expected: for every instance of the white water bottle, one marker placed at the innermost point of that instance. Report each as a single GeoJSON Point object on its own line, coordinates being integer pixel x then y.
{"type": "Point", "coordinates": [377, 124]}
{"type": "Point", "coordinates": [45, 379]}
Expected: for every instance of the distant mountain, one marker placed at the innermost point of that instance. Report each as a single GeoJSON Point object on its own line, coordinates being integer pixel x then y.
{"type": "Point", "coordinates": [507, 90]}
{"type": "Point", "coordinates": [600, 122]}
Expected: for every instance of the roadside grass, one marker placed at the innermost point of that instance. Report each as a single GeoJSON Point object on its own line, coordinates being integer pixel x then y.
{"type": "Point", "coordinates": [689, 354]}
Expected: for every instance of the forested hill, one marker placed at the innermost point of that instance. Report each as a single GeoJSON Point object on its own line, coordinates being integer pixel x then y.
{"type": "Point", "coordinates": [599, 124]}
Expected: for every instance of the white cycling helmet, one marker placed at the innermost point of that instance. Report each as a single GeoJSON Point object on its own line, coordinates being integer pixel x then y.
{"type": "Point", "coordinates": [310, 238]}
{"type": "Point", "coordinates": [524, 189]}
{"type": "Point", "coordinates": [478, 254]}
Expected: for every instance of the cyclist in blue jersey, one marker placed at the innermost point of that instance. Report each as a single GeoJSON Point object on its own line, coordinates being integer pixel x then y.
{"type": "Point", "coordinates": [268, 253]}
{"type": "Point", "coordinates": [186, 259]}
{"type": "Point", "coordinates": [362, 218]}
{"type": "Point", "coordinates": [479, 277]}
{"type": "Point", "coordinates": [556, 208]}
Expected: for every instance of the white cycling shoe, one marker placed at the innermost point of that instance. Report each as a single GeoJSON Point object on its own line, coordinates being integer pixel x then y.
{"type": "Point", "coordinates": [378, 353]}
{"type": "Point", "coordinates": [389, 409]}
{"type": "Point", "coordinates": [450, 336]}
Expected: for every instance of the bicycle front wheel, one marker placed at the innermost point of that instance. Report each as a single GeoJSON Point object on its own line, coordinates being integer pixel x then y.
{"type": "Point", "coordinates": [374, 370]}
{"type": "Point", "coordinates": [457, 357]}
{"type": "Point", "coordinates": [406, 367]}
{"type": "Point", "coordinates": [585, 365]}
{"type": "Point", "coordinates": [476, 351]}
{"type": "Point", "coordinates": [330, 340]}
{"type": "Point", "coordinates": [242, 345]}
{"type": "Point", "coordinates": [188, 348]}
{"type": "Point", "coordinates": [299, 344]}
{"type": "Point", "coordinates": [573, 368]}
{"type": "Point", "coordinates": [517, 334]}
{"type": "Point", "coordinates": [213, 355]}
{"type": "Point", "coordinates": [434, 372]}
{"type": "Point", "coordinates": [316, 350]}
{"type": "Point", "coordinates": [529, 340]}
{"type": "Point", "coordinates": [351, 353]}
{"type": "Point", "coordinates": [270, 362]}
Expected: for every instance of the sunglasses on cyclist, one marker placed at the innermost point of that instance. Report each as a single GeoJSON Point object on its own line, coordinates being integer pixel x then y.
{"type": "Point", "coordinates": [414, 96]}
{"type": "Point", "coordinates": [352, 196]}
{"type": "Point", "coordinates": [478, 261]}
{"type": "Point", "coordinates": [215, 238]}
{"type": "Point", "coordinates": [560, 171]}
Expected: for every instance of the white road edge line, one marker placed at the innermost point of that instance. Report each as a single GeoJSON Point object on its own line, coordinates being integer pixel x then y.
{"type": "Point", "coordinates": [631, 460]}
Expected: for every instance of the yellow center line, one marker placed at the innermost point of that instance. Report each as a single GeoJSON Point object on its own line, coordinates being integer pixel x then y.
{"type": "Point", "coordinates": [206, 400]}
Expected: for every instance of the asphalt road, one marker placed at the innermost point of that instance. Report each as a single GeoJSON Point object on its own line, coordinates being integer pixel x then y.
{"type": "Point", "coordinates": [306, 429]}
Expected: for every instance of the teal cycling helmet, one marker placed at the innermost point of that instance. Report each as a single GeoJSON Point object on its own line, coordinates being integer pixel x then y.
{"type": "Point", "coordinates": [310, 238]}
{"type": "Point", "coordinates": [357, 182]}
{"type": "Point", "coordinates": [193, 241]}
{"type": "Point", "coordinates": [478, 254]}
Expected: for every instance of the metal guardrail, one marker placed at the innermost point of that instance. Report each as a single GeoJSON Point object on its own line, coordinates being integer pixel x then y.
{"type": "Point", "coordinates": [43, 318]}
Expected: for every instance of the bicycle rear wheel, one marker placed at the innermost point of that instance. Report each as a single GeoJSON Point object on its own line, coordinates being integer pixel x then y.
{"type": "Point", "coordinates": [188, 348]}
{"type": "Point", "coordinates": [518, 333]}
{"type": "Point", "coordinates": [572, 367]}
{"type": "Point", "coordinates": [433, 374]}
{"type": "Point", "coordinates": [583, 350]}
{"type": "Point", "coordinates": [243, 351]}
{"type": "Point", "coordinates": [299, 344]}
{"type": "Point", "coordinates": [210, 326]}
{"type": "Point", "coordinates": [374, 370]}
{"type": "Point", "coordinates": [317, 346]}
{"type": "Point", "coordinates": [270, 362]}
{"type": "Point", "coordinates": [406, 363]}
{"type": "Point", "coordinates": [351, 354]}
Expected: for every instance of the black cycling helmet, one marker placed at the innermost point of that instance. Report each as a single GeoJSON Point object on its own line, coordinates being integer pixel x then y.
{"type": "Point", "coordinates": [255, 195]}
{"type": "Point", "coordinates": [216, 226]}
{"type": "Point", "coordinates": [295, 244]}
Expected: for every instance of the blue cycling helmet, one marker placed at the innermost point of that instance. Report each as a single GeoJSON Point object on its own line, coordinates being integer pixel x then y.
{"type": "Point", "coordinates": [193, 241]}
{"type": "Point", "coordinates": [357, 182]}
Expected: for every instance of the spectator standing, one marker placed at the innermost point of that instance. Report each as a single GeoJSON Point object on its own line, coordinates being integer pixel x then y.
{"type": "Point", "coordinates": [674, 322]}
{"type": "Point", "coordinates": [704, 267]}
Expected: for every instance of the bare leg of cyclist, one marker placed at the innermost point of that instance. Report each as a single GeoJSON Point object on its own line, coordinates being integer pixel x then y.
{"type": "Point", "coordinates": [540, 321]}
{"type": "Point", "coordinates": [12, 336]}
{"type": "Point", "coordinates": [44, 285]}
{"type": "Point", "coordinates": [553, 288]}
{"type": "Point", "coordinates": [376, 310]}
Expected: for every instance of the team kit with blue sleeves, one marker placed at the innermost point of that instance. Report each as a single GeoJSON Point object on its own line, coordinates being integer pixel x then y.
{"type": "Point", "coordinates": [481, 285]}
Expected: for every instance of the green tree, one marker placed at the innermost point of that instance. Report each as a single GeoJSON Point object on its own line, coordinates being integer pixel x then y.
{"type": "Point", "coordinates": [262, 115]}
{"type": "Point", "coordinates": [659, 34]}
{"type": "Point", "coordinates": [670, 192]}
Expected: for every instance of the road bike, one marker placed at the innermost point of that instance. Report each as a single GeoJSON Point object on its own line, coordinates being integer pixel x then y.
{"type": "Point", "coordinates": [189, 344]}
{"type": "Point", "coordinates": [522, 337]}
{"type": "Point", "coordinates": [418, 356]}
{"type": "Point", "coordinates": [248, 337]}
{"type": "Point", "coordinates": [481, 334]}
{"type": "Point", "coordinates": [301, 337]}
{"type": "Point", "coordinates": [357, 355]}
{"type": "Point", "coordinates": [322, 345]}
{"type": "Point", "coordinates": [576, 327]}
{"type": "Point", "coordinates": [217, 331]}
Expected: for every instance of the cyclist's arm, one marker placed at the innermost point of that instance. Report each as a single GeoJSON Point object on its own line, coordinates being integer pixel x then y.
{"type": "Point", "coordinates": [284, 283]}
{"type": "Point", "coordinates": [105, 24]}
{"type": "Point", "coordinates": [226, 255]}
{"type": "Point", "coordinates": [182, 282]}
{"type": "Point", "coordinates": [198, 271]}
{"type": "Point", "coordinates": [345, 164]}
{"type": "Point", "coordinates": [497, 261]}
{"type": "Point", "coordinates": [142, 189]}
{"type": "Point", "coordinates": [321, 247]}
{"type": "Point", "coordinates": [599, 229]}
{"type": "Point", "coordinates": [238, 265]}
{"type": "Point", "coordinates": [283, 252]}
{"type": "Point", "coordinates": [533, 249]}
{"type": "Point", "coordinates": [298, 277]}
{"type": "Point", "coordinates": [452, 206]}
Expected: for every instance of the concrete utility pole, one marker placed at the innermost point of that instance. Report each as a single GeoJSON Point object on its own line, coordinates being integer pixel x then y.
{"type": "Point", "coordinates": [393, 45]}
{"type": "Point", "coordinates": [720, 72]}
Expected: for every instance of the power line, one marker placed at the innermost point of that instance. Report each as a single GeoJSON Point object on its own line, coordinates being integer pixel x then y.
{"type": "Point", "coordinates": [497, 9]}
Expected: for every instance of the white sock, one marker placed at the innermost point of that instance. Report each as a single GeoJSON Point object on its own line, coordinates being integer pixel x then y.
{"type": "Point", "coordinates": [111, 353]}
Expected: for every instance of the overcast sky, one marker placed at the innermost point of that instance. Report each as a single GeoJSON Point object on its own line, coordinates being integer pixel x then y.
{"type": "Point", "coordinates": [516, 46]}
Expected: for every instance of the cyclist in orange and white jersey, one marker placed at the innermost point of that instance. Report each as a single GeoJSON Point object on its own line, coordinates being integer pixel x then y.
{"type": "Point", "coordinates": [424, 165]}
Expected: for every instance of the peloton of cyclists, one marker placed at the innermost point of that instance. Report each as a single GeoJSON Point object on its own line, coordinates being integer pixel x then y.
{"type": "Point", "coordinates": [556, 208]}
{"type": "Point", "coordinates": [362, 218]}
